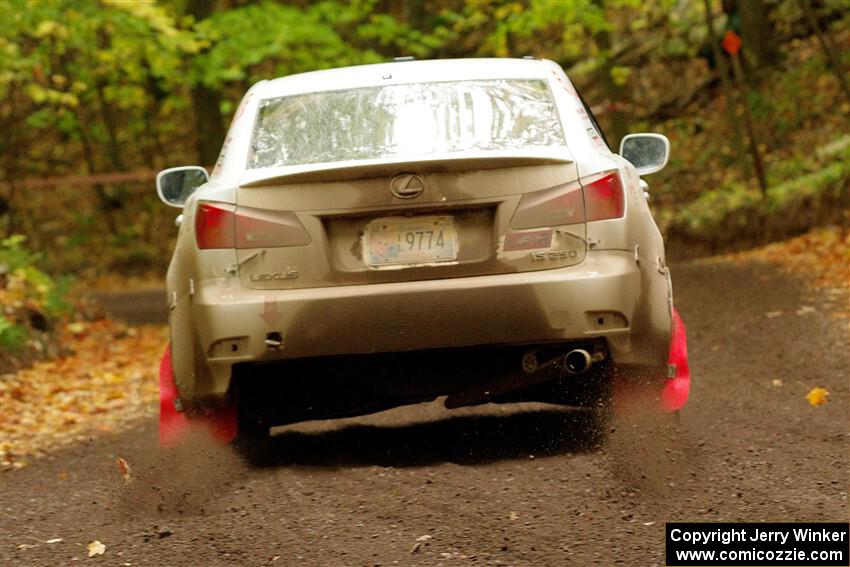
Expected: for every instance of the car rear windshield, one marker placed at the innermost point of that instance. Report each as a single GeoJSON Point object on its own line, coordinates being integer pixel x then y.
{"type": "Point", "coordinates": [409, 120]}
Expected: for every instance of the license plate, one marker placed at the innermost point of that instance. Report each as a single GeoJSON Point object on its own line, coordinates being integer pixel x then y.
{"type": "Point", "coordinates": [407, 241]}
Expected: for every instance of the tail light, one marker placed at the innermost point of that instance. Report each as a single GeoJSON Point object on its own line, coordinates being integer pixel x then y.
{"type": "Point", "coordinates": [550, 207]}
{"type": "Point", "coordinates": [218, 225]}
{"type": "Point", "coordinates": [256, 228]}
{"type": "Point", "coordinates": [215, 225]}
{"type": "Point", "coordinates": [603, 196]}
{"type": "Point", "coordinates": [596, 197]}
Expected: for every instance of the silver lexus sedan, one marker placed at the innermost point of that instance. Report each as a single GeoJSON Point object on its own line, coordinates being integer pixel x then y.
{"type": "Point", "coordinates": [388, 234]}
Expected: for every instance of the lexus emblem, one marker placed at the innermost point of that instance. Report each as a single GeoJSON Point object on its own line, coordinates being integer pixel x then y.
{"type": "Point", "coordinates": [407, 186]}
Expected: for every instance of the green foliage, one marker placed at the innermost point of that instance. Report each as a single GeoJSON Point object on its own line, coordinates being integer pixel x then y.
{"type": "Point", "coordinates": [714, 207]}
{"type": "Point", "coordinates": [736, 209]}
{"type": "Point", "coordinates": [831, 179]}
{"type": "Point", "coordinates": [12, 337]}
{"type": "Point", "coordinates": [91, 86]}
{"type": "Point", "coordinates": [284, 38]}
{"type": "Point", "coordinates": [116, 75]}
{"type": "Point", "coordinates": [26, 286]}
{"type": "Point", "coordinates": [14, 255]}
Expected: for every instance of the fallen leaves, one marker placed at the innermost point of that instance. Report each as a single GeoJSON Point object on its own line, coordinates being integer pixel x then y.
{"type": "Point", "coordinates": [124, 470]}
{"type": "Point", "coordinates": [25, 546]}
{"type": "Point", "coordinates": [96, 548]}
{"type": "Point", "coordinates": [821, 255]}
{"type": "Point", "coordinates": [419, 542]}
{"type": "Point", "coordinates": [817, 396]}
{"type": "Point", "coordinates": [77, 328]}
{"type": "Point", "coordinates": [110, 378]}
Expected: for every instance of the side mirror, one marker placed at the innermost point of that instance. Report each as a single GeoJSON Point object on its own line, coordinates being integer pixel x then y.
{"type": "Point", "coordinates": [647, 152]}
{"type": "Point", "coordinates": [176, 184]}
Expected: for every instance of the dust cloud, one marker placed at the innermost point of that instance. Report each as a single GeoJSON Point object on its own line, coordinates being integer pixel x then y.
{"type": "Point", "coordinates": [182, 480]}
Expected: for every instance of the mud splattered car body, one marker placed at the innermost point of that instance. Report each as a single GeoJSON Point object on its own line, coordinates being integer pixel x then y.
{"type": "Point", "coordinates": [387, 234]}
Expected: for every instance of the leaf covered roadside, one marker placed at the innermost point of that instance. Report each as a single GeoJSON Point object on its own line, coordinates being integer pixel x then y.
{"type": "Point", "coordinates": [110, 380]}
{"type": "Point", "coordinates": [820, 256]}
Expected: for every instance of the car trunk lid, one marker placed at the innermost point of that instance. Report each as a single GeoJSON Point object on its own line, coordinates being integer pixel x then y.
{"type": "Point", "coordinates": [395, 222]}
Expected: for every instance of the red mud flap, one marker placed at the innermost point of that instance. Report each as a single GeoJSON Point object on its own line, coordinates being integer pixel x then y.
{"type": "Point", "coordinates": [635, 396]}
{"type": "Point", "coordinates": [175, 425]}
{"type": "Point", "coordinates": [677, 388]}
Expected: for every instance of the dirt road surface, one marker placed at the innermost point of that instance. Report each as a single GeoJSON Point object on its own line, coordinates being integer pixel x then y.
{"type": "Point", "coordinates": [489, 486]}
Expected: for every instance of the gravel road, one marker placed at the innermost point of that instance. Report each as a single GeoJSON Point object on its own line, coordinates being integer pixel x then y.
{"type": "Point", "coordinates": [483, 486]}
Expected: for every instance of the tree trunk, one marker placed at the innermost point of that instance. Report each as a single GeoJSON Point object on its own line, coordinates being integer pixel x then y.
{"type": "Point", "coordinates": [616, 94]}
{"type": "Point", "coordinates": [728, 89]}
{"type": "Point", "coordinates": [760, 49]}
{"type": "Point", "coordinates": [416, 14]}
{"type": "Point", "coordinates": [106, 201]}
{"type": "Point", "coordinates": [209, 127]}
{"type": "Point", "coordinates": [113, 149]}
{"type": "Point", "coordinates": [828, 46]}
{"type": "Point", "coordinates": [758, 162]}
{"type": "Point", "coordinates": [206, 102]}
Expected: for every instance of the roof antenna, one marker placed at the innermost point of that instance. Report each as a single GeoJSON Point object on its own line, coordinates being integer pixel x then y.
{"type": "Point", "coordinates": [404, 58]}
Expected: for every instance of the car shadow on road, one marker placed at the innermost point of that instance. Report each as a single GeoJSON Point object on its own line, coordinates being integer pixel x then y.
{"type": "Point", "coordinates": [465, 440]}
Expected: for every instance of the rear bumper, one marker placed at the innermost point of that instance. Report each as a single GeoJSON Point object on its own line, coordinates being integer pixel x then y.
{"type": "Point", "coordinates": [608, 295]}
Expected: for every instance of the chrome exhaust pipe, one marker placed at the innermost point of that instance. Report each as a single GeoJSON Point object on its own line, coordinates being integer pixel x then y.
{"type": "Point", "coordinates": [577, 361]}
